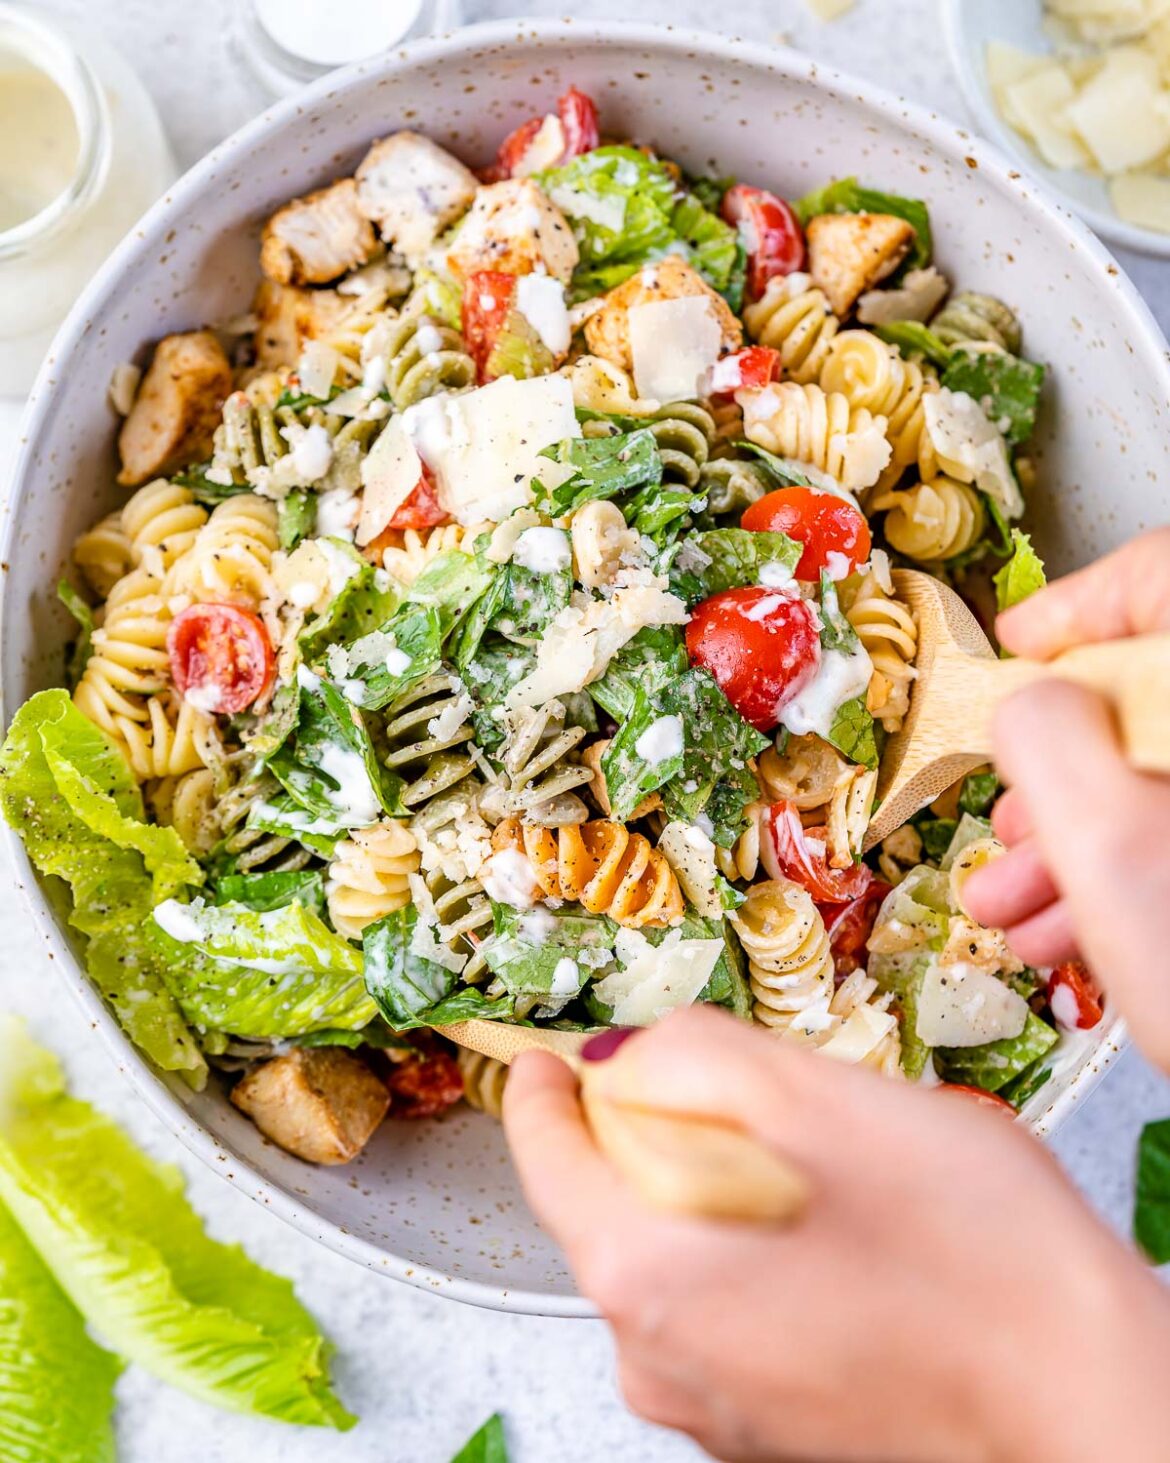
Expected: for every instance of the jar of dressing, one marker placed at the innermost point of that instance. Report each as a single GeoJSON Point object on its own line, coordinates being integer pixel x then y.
{"type": "Point", "coordinates": [82, 156]}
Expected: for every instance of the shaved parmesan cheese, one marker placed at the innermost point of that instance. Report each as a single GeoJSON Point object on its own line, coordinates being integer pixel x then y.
{"type": "Point", "coordinates": [1142, 199]}
{"type": "Point", "coordinates": [1007, 64]}
{"type": "Point", "coordinates": [917, 298]}
{"type": "Point", "coordinates": [865, 454]}
{"type": "Point", "coordinates": [390, 473]}
{"type": "Point", "coordinates": [674, 344]}
{"type": "Point", "coordinates": [1121, 113]}
{"type": "Point", "coordinates": [656, 979]}
{"type": "Point", "coordinates": [859, 1035]}
{"type": "Point", "coordinates": [545, 150]}
{"type": "Point", "coordinates": [541, 300]}
{"type": "Point", "coordinates": [1036, 105]}
{"type": "Point", "coordinates": [970, 448]}
{"type": "Point", "coordinates": [691, 854]}
{"type": "Point", "coordinates": [965, 1006]}
{"type": "Point", "coordinates": [829, 9]}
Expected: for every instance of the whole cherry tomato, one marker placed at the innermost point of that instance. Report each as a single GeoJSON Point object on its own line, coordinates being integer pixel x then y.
{"type": "Point", "coordinates": [791, 851]}
{"type": "Point", "coordinates": [1074, 997]}
{"type": "Point", "coordinates": [770, 232]}
{"type": "Point", "coordinates": [221, 657]}
{"type": "Point", "coordinates": [755, 365]}
{"type": "Point", "coordinates": [760, 645]}
{"type": "Point", "coordinates": [835, 535]}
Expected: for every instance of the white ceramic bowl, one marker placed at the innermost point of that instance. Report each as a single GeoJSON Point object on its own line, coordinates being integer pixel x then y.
{"type": "Point", "coordinates": [969, 25]}
{"type": "Point", "coordinates": [436, 1204]}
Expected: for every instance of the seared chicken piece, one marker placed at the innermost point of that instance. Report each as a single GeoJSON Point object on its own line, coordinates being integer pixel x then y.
{"type": "Point", "coordinates": [314, 239]}
{"type": "Point", "coordinates": [851, 252]}
{"type": "Point", "coordinates": [177, 408]}
{"type": "Point", "coordinates": [608, 330]}
{"type": "Point", "coordinates": [413, 189]}
{"type": "Point", "coordinates": [288, 318]}
{"type": "Point", "coordinates": [319, 1103]}
{"type": "Point", "coordinates": [513, 228]}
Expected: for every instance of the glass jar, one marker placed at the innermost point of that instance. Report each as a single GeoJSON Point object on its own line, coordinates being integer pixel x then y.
{"type": "Point", "coordinates": [82, 156]}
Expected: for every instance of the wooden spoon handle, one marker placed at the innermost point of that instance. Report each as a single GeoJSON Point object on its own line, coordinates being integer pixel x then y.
{"type": "Point", "coordinates": [695, 1165]}
{"type": "Point", "coordinates": [1134, 675]}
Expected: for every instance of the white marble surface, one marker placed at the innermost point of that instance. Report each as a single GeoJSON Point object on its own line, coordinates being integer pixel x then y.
{"type": "Point", "coordinates": [424, 1372]}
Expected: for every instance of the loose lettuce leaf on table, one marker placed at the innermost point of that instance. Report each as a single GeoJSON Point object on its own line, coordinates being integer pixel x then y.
{"type": "Point", "coordinates": [57, 1385]}
{"type": "Point", "coordinates": [1006, 387]}
{"type": "Point", "coordinates": [995, 1065]}
{"type": "Point", "coordinates": [123, 1243]}
{"type": "Point", "coordinates": [727, 558]}
{"type": "Point", "coordinates": [488, 1445]}
{"type": "Point", "coordinates": [67, 791]}
{"type": "Point", "coordinates": [1151, 1212]}
{"type": "Point", "coordinates": [847, 195]}
{"type": "Point", "coordinates": [261, 973]}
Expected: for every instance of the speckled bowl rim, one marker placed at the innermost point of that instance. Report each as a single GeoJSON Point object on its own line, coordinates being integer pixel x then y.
{"type": "Point", "coordinates": [1046, 213]}
{"type": "Point", "coordinates": [977, 95]}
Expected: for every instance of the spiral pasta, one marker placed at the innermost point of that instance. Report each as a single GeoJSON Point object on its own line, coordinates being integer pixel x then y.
{"type": "Point", "coordinates": [982, 319]}
{"type": "Point", "coordinates": [975, 855]}
{"type": "Point", "coordinates": [732, 484]}
{"type": "Point", "coordinates": [600, 541]}
{"type": "Point", "coordinates": [188, 805]}
{"type": "Point", "coordinates": [129, 662]}
{"type": "Point", "coordinates": [240, 787]}
{"type": "Point", "coordinates": [887, 631]}
{"type": "Point", "coordinates": [935, 521]}
{"type": "Point", "coordinates": [369, 876]}
{"type": "Point", "coordinates": [873, 377]}
{"type": "Point", "coordinates": [818, 428]}
{"type": "Point", "coordinates": [794, 318]}
{"type": "Point", "coordinates": [848, 816]}
{"type": "Point", "coordinates": [231, 557]}
{"type": "Point", "coordinates": [427, 732]}
{"type": "Point", "coordinates": [600, 386]}
{"type": "Point", "coordinates": [423, 358]}
{"type": "Point", "coordinates": [805, 774]}
{"type": "Point", "coordinates": [600, 865]}
{"type": "Point", "coordinates": [104, 554]}
{"type": "Point", "coordinates": [742, 862]}
{"type": "Point", "coordinates": [162, 521]}
{"type": "Point", "coordinates": [787, 945]}
{"type": "Point", "coordinates": [171, 741]}
{"type": "Point", "coordinates": [540, 770]}
{"type": "Point", "coordinates": [255, 444]}
{"type": "Point", "coordinates": [484, 1079]}
{"type": "Point", "coordinates": [684, 431]}
{"type": "Point", "coordinates": [409, 551]}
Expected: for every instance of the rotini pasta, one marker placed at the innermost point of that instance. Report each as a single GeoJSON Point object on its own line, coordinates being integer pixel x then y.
{"type": "Point", "coordinates": [408, 552]}
{"type": "Point", "coordinates": [742, 862]}
{"type": "Point", "coordinates": [932, 522]}
{"type": "Point", "coordinates": [805, 774]}
{"type": "Point", "coordinates": [104, 554]}
{"type": "Point", "coordinates": [423, 357]}
{"type": "Point", "coordinates": [540, 770]}
{"type": "Point", "coordinates": [873, 377]}
{"type": "Point", "coordinates": [788, 952]}
{"type": "Point", "coordinates": [484, 1079]}
{"type": "Point", "coordinates": [600, 541]}
{"type": "Point", "coordinates": [231, 557]}
{"type": "Point", "coordinates": [975, 855]}
{"type": "Point", "coordinates": [818, 428]}
{"type": "Point", "coordinates": [162, 521]}
{"type": "Point", "coordinates": [427, 734]}
{"type": "Point", "coordinates": [981, 319]}
{"type": "Point", "coordinates": [794, 318]}
{"type": "Point", "coordinates": [369, 876]}
{"type": "Point", "coordinates": [889, 635]}
{"type": "Point", "coordinates": [600, 865]}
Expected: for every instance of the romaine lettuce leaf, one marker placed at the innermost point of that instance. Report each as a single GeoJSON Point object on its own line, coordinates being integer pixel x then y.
{"type": "Point", "coordinates": [1007, 388]}
{"type": "Point", "coordinates": [847, 195]}
{"type": "Point", "coordinates": [122, 1242]}
{"type": "Point", "coordinates": [936, 835]}
{"type": "Point", "coordinates": [727, 558]}
{"type": "Point", "coordinates": [603, 468]}
{"type": "Point", "coordinates": [267, 891]}
{"type": "Point", "coordinates": [296, 513]}
{"type": "Point", "coordinates": [527, 963]}
{"type": "Point", "coordinates": [68, 792]}
{"type": "Point", "coordinates": [362, 665]}
{"type": "Point", "coordinates": [995, 1065]}
{"type": "Point", "coordinates": [969, 829]}
{"type": "Point", "coordinates": [487, 1445]}
{"type": "Point", "coordinates": [57, 1386]}
{"type": "Point", "coordinates": [903, 974]}
{"type": "Point", "coordinates": [786, 472]}
{"type": "Point", "coordinates": [415, 980]}
{"type": "Point", "coordinates": [978, 793]}
{"type": "Point", "coordinates": [82, 647]}
{"type": "Point", "coordinates": [261, 973]}
{"type": "Point", "coordinates": [913, 338]}
{"type": "Point", "coordinates": [1151, 1210]}
{"type": "Point", "coordinates": [328, 765]}
{"type": "Point", "coordinates": [518, 606]}
{"type": "Point", "coordinates": [836, 631]}
{"type": "Point", "coordinates": [451, 584]}
{"type": "Point", "coordinates": [654, 657]}
{"type": "Point", "coordinates": [712, 247]}
{"type": "Point", "coordinates": [853, 733]}
{"type": "Point", "coordinates": [1022, 575]}
{"type": "Point", "coordinates": [364, 603]}
{"type": "Point", "coordinates": [285, 817]}
{"type": "Point", "coordinates": [518, 351]}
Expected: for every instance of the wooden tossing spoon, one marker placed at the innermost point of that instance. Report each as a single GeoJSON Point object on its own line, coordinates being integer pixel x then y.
{"type": "Point", "coordinates": [692, 1164]}
{"type": "Point", "coordinates": [959, 681]}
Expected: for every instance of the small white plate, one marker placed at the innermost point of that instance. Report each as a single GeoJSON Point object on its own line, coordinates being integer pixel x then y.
{"type": "Point", "coordinates": [968, 26]}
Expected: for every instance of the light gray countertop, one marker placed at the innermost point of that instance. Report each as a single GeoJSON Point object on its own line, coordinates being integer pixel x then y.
{"type": "Point", "coordinates": [424, 1372]}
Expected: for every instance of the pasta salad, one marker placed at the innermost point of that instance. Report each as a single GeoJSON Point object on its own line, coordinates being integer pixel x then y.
{"type": "Point", "coordinates": [499, 624]}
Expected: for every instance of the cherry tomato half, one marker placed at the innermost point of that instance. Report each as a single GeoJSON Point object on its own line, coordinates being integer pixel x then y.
{"type": "Point", "coordinates": [770, 231]}
{"type": "Point", "coordinates": [754, 366]}
{"type": "Point", "coordinates": [577, 116]}
{"type": "Point", "coordinates": [761, 647]}
{"type": "Point", "coordinates": [794, 852]}
{"type": "Point", "coordinates": [221, 657]}
{"type": "Point", "coordinates": [850, 926]}
{"type": "Point", "coordinates": [424, 1085]}
{"type": "Point", "coordinates": [1074, 997]}
{"type": "Point", "coordinates": [488, 296]}
{"type": "Point", "coordinates": [513, 148]}
{"type": "Point", "coordinates": [826, 525]}
{"type": "Point", "coordinates": [984, 1099]}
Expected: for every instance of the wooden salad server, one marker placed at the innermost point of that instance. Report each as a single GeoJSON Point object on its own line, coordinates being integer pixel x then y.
{"type": "Point", "coordinates": [959, 682]}
{"type": "Point", "coordinates": [694, 1164]}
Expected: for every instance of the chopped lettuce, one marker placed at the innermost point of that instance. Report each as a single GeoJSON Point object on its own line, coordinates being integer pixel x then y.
{"type": "Point", "coordinates": [1151, 1211]}
{"type": "Point", "coordinates": [363, 604]}
{"type": "Point", "coordinates": [836, 631]}
{"type": "Point", "coordinates": [712, 247]}
{"type": "Point", "coordinates": [123, 1243]}
{"type": "Point", "coordinates": [656, 656]}
{"type": "Point", "coordinates": [518, 351]}
{"type": "Point", "coordinates": [995, 1065]}
{"type": "Point", "coordinates": [854, 733]}
{"type": "Point", "coordinates": [518, 606]}
{"type": "Point", "coordinates": [268, 891]}
{"type": "Point", "coordinates": [1022, 1089]}
{"type": "Point", "coordinates": [57, 1385]}
{"type": "Point", "coordinates": [603, 467]}
{"type": "Point", "coordinates": [1006, 387]}
{"type": "Point", "coordinates": [68, 792]}
{"type": "Point", "coordinates": [786, 472]}
{"type": "Point", "coordinates": [261, 973]}
{"type": "Point", "coordinates": [727, 558]}
{"type": "Point", "coordinates": [451, 584]}
{"type": "Point", "coordinates": [415, 980]}
{"type": "Point", "coordinates": [936, 835]}
{"type": "Point", "coordinates": [969, 829]}
{"type": "Point", "coordinates": [913, 338]}
{"type": "Point", "coordinates": [847, 195]}
{"type": "Point", "coordinates": [296, 513]}
{"type": "Point", "coordinates": [328, 766]}
{"type": "Point", "coordinates": [903, 975]}
{"type": "Point", "coordinates": [660, 511]}
{"type": "Point", "coordinates": [1022, 575]}
{"type": "Point", "coordinates": [364, 665]}
{"type": "Point", "coordinates": [546, 963]}
{"type": "Point", "coordinates": [488, 1445]}
{"type": "Point", "coordinates": [83, 646]}
{"type": "Point", "coordinates": [978, 793]}
{"type": "Point", "coordinates": [285, 817]}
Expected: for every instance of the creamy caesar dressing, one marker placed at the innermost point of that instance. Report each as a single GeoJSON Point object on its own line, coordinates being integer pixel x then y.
{"type": "Point", "coordinates": [357, 802]}
{"type": "Point", "coordinates": [41, 145]}
{"type": "Point", "coordinates": [840, 677]}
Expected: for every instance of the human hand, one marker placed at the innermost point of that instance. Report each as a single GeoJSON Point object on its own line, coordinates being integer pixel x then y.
{"type": "Point", "coordinates": [1087, 872]}
{"type": "Point", "coordinates": [944, 1297]}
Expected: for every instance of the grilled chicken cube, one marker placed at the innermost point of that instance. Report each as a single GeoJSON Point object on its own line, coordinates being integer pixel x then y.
{"type": "Point", "coordinates": [321, 1104]}
{"type": "Point", "coordinates": [413, 189]}
{"type": "Point", "coordinates": [288, 317]}
{"type": "Point", "coordinates": [314, 239]}
{"type": "Point", "coordinates": [514, 229]}
{"type": "Point", "coordinates": [176, 410]}
{"type": "Point", "coordinates": [851, 252]}
{"type": "Point", "coordinates": [607, 330]}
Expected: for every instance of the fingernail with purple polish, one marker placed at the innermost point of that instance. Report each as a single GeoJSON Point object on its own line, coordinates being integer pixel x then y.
{"type": "Point", "coordinates": [601, 1047]}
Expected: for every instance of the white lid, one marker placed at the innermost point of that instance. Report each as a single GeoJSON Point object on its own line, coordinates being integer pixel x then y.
{"type": "Point", "coordinates": [326, 34]}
